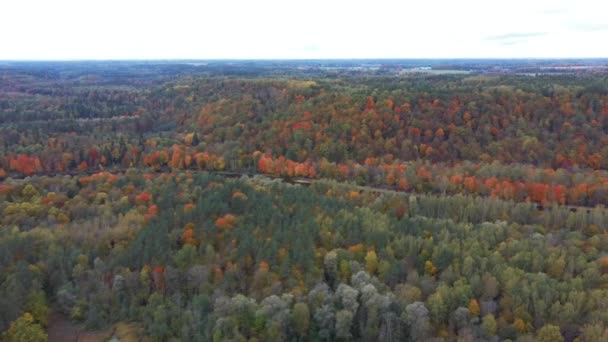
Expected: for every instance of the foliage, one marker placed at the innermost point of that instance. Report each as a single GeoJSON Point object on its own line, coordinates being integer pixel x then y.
{"type": "Point", "coordinates": [434, 207]}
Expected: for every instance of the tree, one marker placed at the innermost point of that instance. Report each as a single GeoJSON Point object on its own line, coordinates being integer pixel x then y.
{"type": "Point", "coordinates": [429, 268]}
{"type": "Point", "coordinates": [550, 333]}
{"type": "Point", "coordinates": [185, 257]}
{"type": "Point", "coordinates": [188, 235]}
{"type": "Point", "coordinates": [24, 329]}
{"type": "Point", "coordinates": [37, 306]}
{"type": "Point", "coordinates": [594, 333]}
{"type": "Point", "coordinates": [519, 325]}
{"type": "Point", "coordinates": [227, 221]}
{"type": "Point", "coordinates": [347, 297]}
{"type": "Point", "coordinates": [460, 318]}
{"type": "Point", "coordinates": [416, 316]}
{"type": "Point", "coordinates": [490, 287]}
{"type": "Point", "coordinates": [437, 307]}
{"type": "Point", "coordinates": [301, 319]}
{"type": "Point", "coordinates": [345, 273]}
{"type": "Point", "coordinates": [159, 329]}
{"type": "Point", "coordinates": [344, 319]}
{"type": "Point", "coordinates": [83, 166]}
{"type": "Point", "coordinates": [331, 267]}
{"type": "Point", "coordinates": [29, 192]}
{"type": "Point", "coordinates": [488, 326]}
{"type": "Point", "coordinates": [474, 308]}
{"type": "Point", "coordinates": [371, 262]}
{"type": "Point", "coordinates": [325, 318]}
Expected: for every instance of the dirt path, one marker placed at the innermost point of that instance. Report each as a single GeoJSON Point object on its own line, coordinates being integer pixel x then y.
{"type": "Point", "coordinates": [60, 329]}
{"type": "Point", "coordinates": [302, 181]}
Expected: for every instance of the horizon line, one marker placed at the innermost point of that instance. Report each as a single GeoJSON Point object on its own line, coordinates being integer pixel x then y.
{"type": "Point", "coordinates": [294, 59]}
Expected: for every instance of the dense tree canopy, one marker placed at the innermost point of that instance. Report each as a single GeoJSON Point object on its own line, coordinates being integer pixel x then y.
{"type": "Point", "coordinates": [207, 205]}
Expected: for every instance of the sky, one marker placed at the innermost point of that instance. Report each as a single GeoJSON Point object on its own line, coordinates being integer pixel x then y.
{"type": "Point", "coordinates": [284, 29]}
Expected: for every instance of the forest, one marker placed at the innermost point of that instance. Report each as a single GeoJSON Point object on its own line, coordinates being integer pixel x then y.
{"type": "Point", "coordinates": [275, 201]}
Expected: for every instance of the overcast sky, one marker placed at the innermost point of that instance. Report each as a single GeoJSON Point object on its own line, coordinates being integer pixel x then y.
{"type": "Point", "coordinates": [149, 29]}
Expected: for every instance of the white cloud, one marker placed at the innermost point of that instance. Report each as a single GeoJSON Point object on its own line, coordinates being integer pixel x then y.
{"type": "Point", "coordinates": [122, 29]}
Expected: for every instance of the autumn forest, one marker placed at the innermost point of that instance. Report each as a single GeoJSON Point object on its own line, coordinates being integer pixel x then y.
{"type": "Point", "coordinates": [276, 201]}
